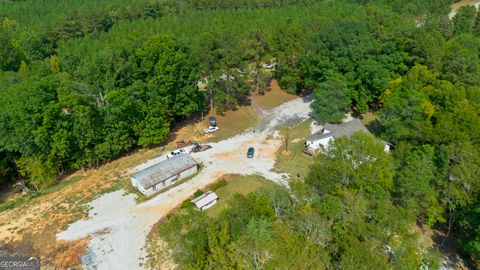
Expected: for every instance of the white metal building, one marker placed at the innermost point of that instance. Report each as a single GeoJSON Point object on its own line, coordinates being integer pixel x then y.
{"type": "Point", "coordinates": [207, 200]}
{"type": "Point", "coordinates": [163, 174]}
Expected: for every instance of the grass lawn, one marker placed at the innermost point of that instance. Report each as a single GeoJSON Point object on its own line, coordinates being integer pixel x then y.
{"type": "Point", "coordinates": [237, 184]}
{"type": "Point", "coordinates": [231, 123]}
{"type": "Point", "coordinates": [294, 161]}
{"type": "Point", "coordinates": [372, 123]}
{"type": "Point", "coordinates": [369, 117]}
{"type": "Point", "coordinates": [273, 98]}
{"type": "Point", "coordinates": [12, 203]}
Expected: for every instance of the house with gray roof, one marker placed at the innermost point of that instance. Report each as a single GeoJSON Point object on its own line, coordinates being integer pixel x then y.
{"type": "Point", "coordinates": [322, 138]}
{"type": "Point", "coordinates": [163, 174]}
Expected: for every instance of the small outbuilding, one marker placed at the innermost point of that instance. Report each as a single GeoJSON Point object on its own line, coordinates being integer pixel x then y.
{"type": "Point", "coordinates": [163, 174]}
{"type": "Point", "coordinates": [206, 200]}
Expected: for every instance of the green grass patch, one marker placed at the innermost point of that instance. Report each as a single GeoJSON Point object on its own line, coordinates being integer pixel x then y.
{"type": "Point", "coordinates": [372, 123]}
{"type": "Point", "coordinates": [120, 183]}
{"type": "Point", "coordinates": [294, 162]}
{"type": "Point", "coordinates": [62, 184]}
{"type": "Point", "coordinates": [369, 117]}
{"type": "Point", "coordinates": [221, 183]}
{"type": "Point", "coordinates": [13, 203]}
{"type": "Point", "coordinates": [232, 123]}
{"type": "Point", "coordinates": [237, 185]}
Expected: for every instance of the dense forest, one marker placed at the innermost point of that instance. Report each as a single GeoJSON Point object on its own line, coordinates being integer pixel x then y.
{"type": "Point", "coordinates": [82, 82]}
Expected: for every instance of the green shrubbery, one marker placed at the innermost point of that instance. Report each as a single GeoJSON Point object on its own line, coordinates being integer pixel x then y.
{"type": "Point", "coordinates": [220, 183]}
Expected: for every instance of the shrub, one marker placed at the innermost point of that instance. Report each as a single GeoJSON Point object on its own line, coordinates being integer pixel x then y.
{"type": "Point", "coordinates": [197, 193]}
{"type": "Point", "coordinates": [219, 184]}
{"type": "Point", "coordinates": [186, 204]}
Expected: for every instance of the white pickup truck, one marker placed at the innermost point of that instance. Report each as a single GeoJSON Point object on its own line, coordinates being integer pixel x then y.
{"type": "Point", "coordinates": [211, 129]}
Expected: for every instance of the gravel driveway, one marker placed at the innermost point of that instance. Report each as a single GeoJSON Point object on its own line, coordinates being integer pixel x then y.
{"type": "Point", "coordinates": [118, 227]}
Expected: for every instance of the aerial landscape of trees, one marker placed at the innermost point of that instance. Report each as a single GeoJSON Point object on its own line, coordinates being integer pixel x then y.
{"type": "Point", "coordinates": [82, 82]}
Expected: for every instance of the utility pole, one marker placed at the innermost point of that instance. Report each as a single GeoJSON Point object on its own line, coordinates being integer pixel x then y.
{"type": "Point", "coordinates": [289, 126]}
{"type": "Point", "coordinates": [286, 140]}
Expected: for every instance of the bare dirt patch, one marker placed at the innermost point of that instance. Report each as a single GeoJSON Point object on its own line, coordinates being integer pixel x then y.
{"type": "Point", "coordinates": [67, 254]}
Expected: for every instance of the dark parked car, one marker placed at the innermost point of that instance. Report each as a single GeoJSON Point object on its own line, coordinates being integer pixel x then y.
{"type": "Point", "coordinates": [199, 148]}
{"type": "Point", "coordinates": [213, 121]}
{"type": "Point", "coordinates": [250, 152]}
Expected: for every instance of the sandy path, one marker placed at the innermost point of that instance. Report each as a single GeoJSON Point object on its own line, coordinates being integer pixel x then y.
{"type": "Point", "coordinates": [118, 226]}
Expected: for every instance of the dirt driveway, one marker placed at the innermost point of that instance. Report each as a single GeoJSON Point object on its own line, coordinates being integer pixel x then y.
{"type": "Point", "coordinates": [118, 227]}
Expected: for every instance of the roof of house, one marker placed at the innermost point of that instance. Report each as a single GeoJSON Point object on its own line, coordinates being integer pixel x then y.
{"type": "Point", "coordinates": [163, 170]}
{"type": "Point", "coordinates": [205, 199]}
{"type": "Point", "coordinates": [338, 130]}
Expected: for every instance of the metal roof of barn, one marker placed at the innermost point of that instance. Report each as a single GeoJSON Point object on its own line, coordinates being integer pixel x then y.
{"type": "Point", "coordinates": [163, 170]}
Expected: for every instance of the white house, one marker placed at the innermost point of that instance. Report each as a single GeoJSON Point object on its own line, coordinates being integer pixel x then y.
{"type": "Point", "coordinates": [207, 200]}
{"type": "Point", "coordinates": [330, 131]}
{"type": "Point", "coordinates": [163, 174]}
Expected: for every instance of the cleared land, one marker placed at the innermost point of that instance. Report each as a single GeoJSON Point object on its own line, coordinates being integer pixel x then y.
{"type": "Point", "coordinates": [30, 224]}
